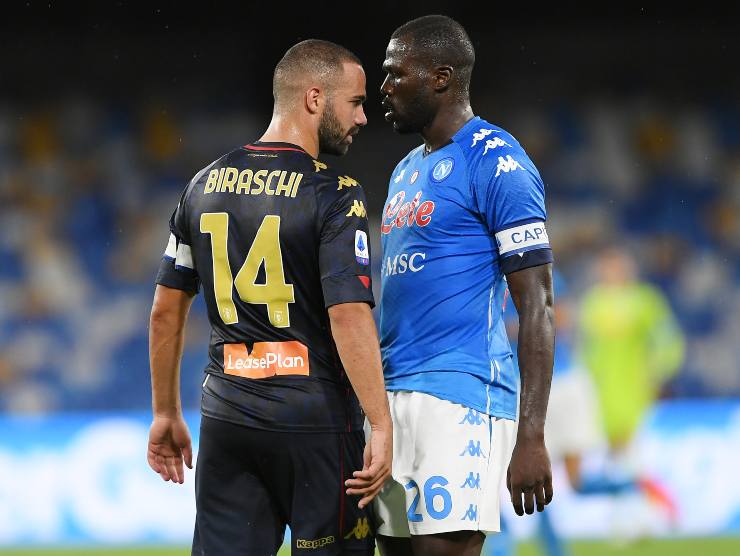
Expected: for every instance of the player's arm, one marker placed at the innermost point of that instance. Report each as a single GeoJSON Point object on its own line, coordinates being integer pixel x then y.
{"type": "Point", "coordinates": [353, 329]}
{"type": "Point", "coordinates": [177, 284]}
{"type": "Point", "coordinates": [344, 262]}
{"type": "Point", "coordinates": [529, 471]}
{"type": "Point", "coordinates": [511, 197]}
{"type": "Point", "coordinates": [169, 439]}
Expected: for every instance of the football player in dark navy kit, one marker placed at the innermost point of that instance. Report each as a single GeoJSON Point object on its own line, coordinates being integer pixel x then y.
{"type": "Point", "coordinates": [277, 241]}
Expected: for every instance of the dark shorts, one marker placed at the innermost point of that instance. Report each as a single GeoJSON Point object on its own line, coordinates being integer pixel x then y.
{"type": "Point", "coordinates": [250, 484]}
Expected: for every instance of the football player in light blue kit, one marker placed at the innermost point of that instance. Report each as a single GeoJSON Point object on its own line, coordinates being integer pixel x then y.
{"type": "Point", "coordinates": [463, 223]}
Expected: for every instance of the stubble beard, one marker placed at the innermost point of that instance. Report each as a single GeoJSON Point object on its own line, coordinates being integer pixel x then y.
{"type": "Point", "coordinates": [331, 134]}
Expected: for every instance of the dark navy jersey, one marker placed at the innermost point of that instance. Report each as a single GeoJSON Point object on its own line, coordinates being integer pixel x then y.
{"type": "Point", "coordinates": [274, 238]}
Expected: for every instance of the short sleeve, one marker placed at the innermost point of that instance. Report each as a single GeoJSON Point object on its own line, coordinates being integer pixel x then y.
{"type": "Point", "coordinates": [510, 196]}
{"type": "Point", "coordinates": [177, 269]}
{"type": "Point", "coordinates": [344, 249]}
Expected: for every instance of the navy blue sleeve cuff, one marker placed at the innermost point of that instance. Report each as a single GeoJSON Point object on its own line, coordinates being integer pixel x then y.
{"type": "Point", "coordinates": [347, 289]}
{"type": "Point", "coordinates": [527, 259]}
{"type": "Point", "coordinates": [180, 278]}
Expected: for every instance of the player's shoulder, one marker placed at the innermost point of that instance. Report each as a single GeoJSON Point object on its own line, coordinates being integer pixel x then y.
{"type": "Point", "coordinates": [329, 179]}
{"type": "Point", "coordinates": [203, 174]}
{"type": "Point", "coordinates": [337, 190]}
{"type": "Point", "coordinates": [481, 140]}
{"type": "Point", "coordinates": [649, 294]}
{"type": "Point", "coordinates": [491, 150]}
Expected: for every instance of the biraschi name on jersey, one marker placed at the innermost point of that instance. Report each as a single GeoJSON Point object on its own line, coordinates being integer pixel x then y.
{"type": "Point", "coordinates": [253, 182]}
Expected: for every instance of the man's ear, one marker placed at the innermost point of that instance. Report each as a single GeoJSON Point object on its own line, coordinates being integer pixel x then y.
{"type": "Point", "coordinates": [442, 77]}
{"type": "Point", "coordinates": [314, 100]}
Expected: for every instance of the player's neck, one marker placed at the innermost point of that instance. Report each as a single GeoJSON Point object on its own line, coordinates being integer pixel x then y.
{"type": "Point", "coordinates": [447, 122]}
{"type": "Point", "coordinates": [284, 130]}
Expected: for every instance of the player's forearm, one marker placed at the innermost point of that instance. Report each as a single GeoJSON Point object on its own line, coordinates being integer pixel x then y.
{"type": "Point", "coordinates": [356, 339]}
{"type": "Point", "coordinates": [166, 340]}
{"type": "Point", "coordinates": [531, 291]}
{"type": "Point", "coordinates": [535, 351]}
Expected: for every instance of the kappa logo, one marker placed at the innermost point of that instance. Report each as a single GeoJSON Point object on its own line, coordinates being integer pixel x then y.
{"type": "Point", "coordinates": [319, 165]}
{"type": "Point", "coordinates": [358, 209]}
{"type": "Point", "coordinates": [473, 449]}
{"type": "Point", "coordinates": [360, 530]}
{"type": "Point", "coordinates": [472, 418]}
{"type": "Point", "coordinates": [507, 165]}
{"type": "Point", "coordinates": [471, 514]}
{"type": "Point", "coordinates": [315, 543]}
{"type": "Point", "coordinates": [346, 181]}
{"type": "Point", "coordinates": [399, 177]}
{"type": "Point", "coordinates": [442, 169]}
{"type": "Point", "coordinates": [482, 134]}
{"type": "Point", "coordinates": [473, 481]}
{"type": "Point", "coordinates": [493, 143]}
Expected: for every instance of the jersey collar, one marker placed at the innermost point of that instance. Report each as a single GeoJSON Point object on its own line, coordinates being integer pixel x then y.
{"type": "Point", "coordinates": [471, 123]}
{"type": "Point", "coordinates": [274, 146]}
{"type": "Point", "coordinates": [464, 130]}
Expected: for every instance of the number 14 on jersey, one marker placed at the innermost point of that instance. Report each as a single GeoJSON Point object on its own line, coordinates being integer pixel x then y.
{"type": "Point", "coordinates": [274, 293]}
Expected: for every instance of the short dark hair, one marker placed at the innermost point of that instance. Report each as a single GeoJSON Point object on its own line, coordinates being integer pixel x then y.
{"type": "Point", "coordinates": [440, 40]}
{"type": "Point", "coordinates": [313, 57]}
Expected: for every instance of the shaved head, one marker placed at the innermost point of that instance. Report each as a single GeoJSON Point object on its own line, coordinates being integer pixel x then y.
{"type": "Point", "coordinates": [440, 40]}
{"type": "Point", "coordinates": [310, 62]}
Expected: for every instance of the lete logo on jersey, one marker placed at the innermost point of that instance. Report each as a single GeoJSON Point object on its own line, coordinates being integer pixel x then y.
{"type": "Point", "coordinates": [362, 251]}
{"type": "Point", "coordinates": [398, 214]}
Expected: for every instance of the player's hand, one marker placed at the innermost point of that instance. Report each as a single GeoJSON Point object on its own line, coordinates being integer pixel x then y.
{"type": "Point", "coordinates": [169, 445]}
{"type": "Point", "coordinates": [376, 468]}
{"type": "Point", "coordinates": [529, 476]}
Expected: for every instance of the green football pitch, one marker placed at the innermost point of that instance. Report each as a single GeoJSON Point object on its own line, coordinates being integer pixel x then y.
{"type": "Point", "coordinates": [675, 547]}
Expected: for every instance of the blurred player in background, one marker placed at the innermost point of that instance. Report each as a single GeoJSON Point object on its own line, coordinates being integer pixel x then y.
{"type": "Point", "coordinates": [281, 431]}
{"type": "Point", "coordinates": [631, 345]}
{"type": "Point", "coordinates": [465, 213]}
{"type": "Point", "coordinates": [575, 426]}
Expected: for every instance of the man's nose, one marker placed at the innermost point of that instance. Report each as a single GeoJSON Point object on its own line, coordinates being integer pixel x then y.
{"type": "Point", "coordinates": [361, 118]}
{"type": "Point", "coordinates": [385, 87]}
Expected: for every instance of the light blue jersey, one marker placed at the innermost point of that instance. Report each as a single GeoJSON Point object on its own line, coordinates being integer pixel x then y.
{"type": "Point", "coordinates": [454, 222]}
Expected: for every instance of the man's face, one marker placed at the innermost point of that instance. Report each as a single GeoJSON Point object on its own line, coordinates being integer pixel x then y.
{"type": "Point", "coordinates": [343, 115]}
{"type": "Point", "coordinates": [408, 97]}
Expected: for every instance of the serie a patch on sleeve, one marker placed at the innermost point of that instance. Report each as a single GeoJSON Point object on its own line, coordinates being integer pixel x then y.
{"type": "Point", "coordinates": [362, 250]}
{"type": "Point", "coordinates": [522, 238]}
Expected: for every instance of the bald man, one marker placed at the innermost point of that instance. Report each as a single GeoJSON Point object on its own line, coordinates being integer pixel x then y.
{"type": "Point", "coordinates": [278, 241]}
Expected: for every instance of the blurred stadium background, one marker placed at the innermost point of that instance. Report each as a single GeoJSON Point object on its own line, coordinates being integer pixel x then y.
{"type": "Point", "coordinates": [106, 111]}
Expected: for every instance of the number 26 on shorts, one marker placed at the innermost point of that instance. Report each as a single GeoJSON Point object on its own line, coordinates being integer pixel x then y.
{"type": "Point", "coordinates": [433, 490]}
